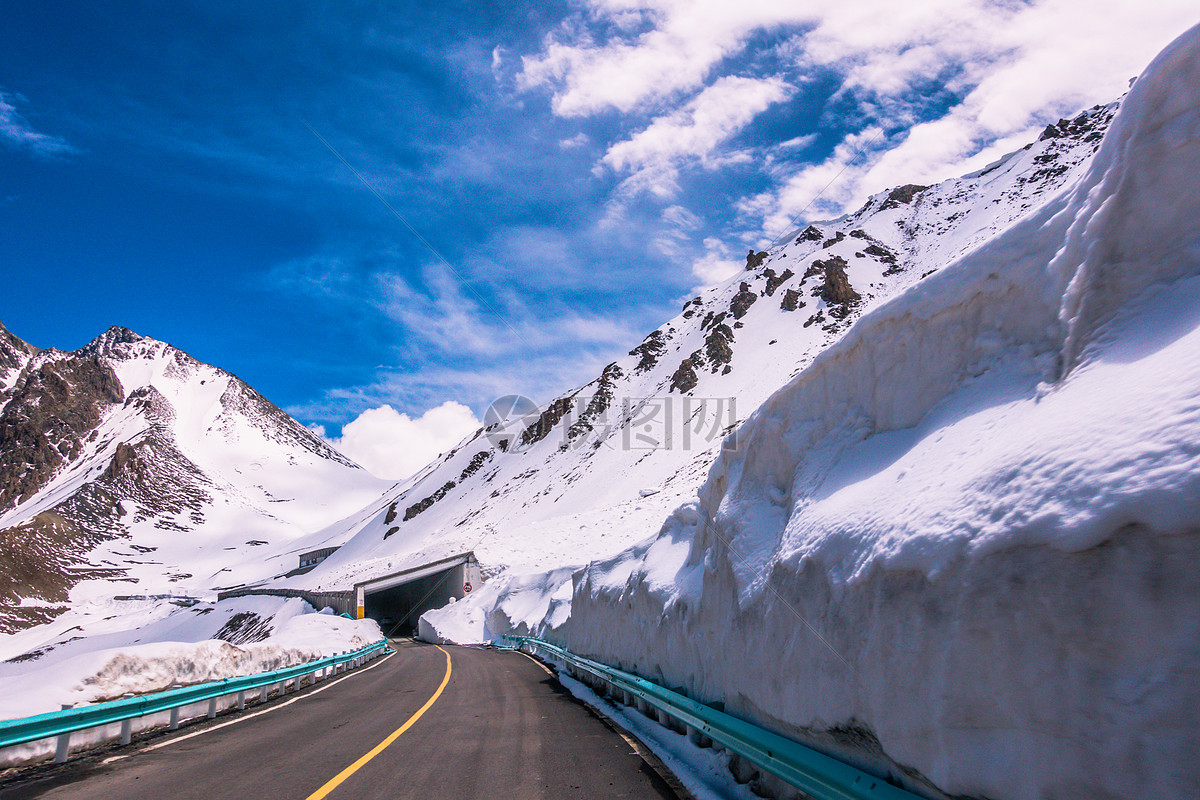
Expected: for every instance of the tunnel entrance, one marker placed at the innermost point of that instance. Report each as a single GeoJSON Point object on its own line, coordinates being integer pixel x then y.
{"type": "Point", "coordinates": [397, 601]}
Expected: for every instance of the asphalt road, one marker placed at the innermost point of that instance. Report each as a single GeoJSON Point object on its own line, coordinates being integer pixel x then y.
{"type": "Point", "coordinates": [501, 727]}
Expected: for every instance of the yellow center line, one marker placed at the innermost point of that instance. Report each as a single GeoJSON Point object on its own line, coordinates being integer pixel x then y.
{"type": "Point", "coordinates": [379, 748]}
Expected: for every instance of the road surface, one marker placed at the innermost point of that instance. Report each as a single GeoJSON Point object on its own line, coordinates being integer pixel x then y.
{"type": "Point", "coordinates": [494, 725]}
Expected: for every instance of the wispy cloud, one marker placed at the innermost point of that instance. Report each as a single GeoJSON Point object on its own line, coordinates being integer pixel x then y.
{"type": "Point", "coordinates": [446, 345]}
{"type": "Point", "coordinates": [18, 133]}
{"type": "Point", "coordinates": [692, 133]}
{"type": "Point", "coordinates": [935, 87]}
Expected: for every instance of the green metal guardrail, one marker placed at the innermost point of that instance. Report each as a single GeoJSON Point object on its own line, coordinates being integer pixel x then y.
{"type": "Point", "coordinates": [63, 723]}
{"type": "Point", "coordinates": [817, 774]}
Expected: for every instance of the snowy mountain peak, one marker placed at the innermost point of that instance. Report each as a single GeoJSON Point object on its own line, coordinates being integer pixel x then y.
{"type": "Point", "coordinates": [110, 452]}
{"type": "Point", "coordinates": [115, 342]}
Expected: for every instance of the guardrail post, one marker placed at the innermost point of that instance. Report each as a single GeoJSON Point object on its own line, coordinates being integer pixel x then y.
{"type": "Point", "coordinates": [212, 708]}
{"type": "Point", "coordinates": [697, 738]}
{"type": "Point", "coordinates": [63, 746]}
{"type": "Point", "coordinates": [175, 711]}
{"type": "Point", "coordinates": [262, 693]}
{"type": "Point", "coordinates": [241, 700]}
{"type": "Point", "coordinates": [127, 725]}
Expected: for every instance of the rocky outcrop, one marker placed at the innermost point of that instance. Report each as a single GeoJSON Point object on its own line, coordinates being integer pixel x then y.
{"type": "Point", "coordinates": [810, 234]}
{"type": "Point", "coordinates": [684, 379]}
{"type": "Point", "coordinates": [775, 281]}
{"type": "Point", "coordinates": [648, 352]}
{"type": "Point", "coordinates": [51, 410]}
{"type": "Point", "coordinates": [902, 195]}
{"type": "Point", "coordinates": [837, 290]}
{"type": "Point", "coordinates": [717, 349]}
{"type": "Point", "coordinates": [791, 300]}
{"type": "Point", "coordinates": [880, 253]}
{"type": "Point", "coordinates": [477, 461]}
{"type": "Point", "coordinates": [838, 237]}
{"type": "Point", "coordinates": [423, 505]}
{"type": "Point", "coordinates": [601, 400]}
{"type": "Point", "coordinates": [742, 301]}
{"type": "Point", "coordinates": [547, 421]}
{"type": "Point", "coordinates": [755, 260]}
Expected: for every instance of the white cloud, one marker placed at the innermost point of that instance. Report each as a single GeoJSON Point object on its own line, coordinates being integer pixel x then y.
{"type": "Point", "coordinates": [675, 55]}
{"type": "Point", "coordinates": [1012, 66]}
{"type": "Point", "coordinates": [578, 140]}
{"type": "Point", "coordinates": [16, 131]}
{"type": "Point", "coordinates": [716, 265]}
{"type": "Point", "coordinates": [394, 445]}
{"type": "Point", "coordinates": [692, 133]}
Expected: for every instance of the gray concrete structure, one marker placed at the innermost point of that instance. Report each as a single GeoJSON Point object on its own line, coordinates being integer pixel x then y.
{"type": "Point", "coordinates": [395, 600]}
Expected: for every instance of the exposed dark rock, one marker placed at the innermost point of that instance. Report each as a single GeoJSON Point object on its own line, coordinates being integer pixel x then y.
{"type": "Point", "coordinates": [423, 505]}
{"type": "Point", "coordinates": [774, 281]}
{"type": "Point", "coordinates": [711, 319]}
{"type": "Point", "coordinates": [742, 301]}
{"type": "Point", "coordinates": [245, 627]}
{"type": "Point", "coordinates": [121, 460]}
{"type": "Point", "coordinates": [547, 421]}
{"type": "Point", "coordinates": [755, 260]}
{"type": "Point", "coordinates": [839, 236]}
{"type": "Point", "coordinates": [881, 253]}
{"type": "Point", "coordinates": [648, 352]}
{"type": "Point", "coordinates": [791, 300]}
{"type": "Point", "coordinates": [601, 400]}
{"type": "Point", "coordinates": [902, 194]}
{"type": "Point", "coordinates": [390, 517]}
{"type": "Point", "coordinates": [685, 378]}
{"type": "Point", "coordinates": [477, 461]}
{"type": "Point", "coordinates": [45, 422]}
{"type": "Point", "coordinates": [717, 348]}
{"type": "Point", "coordinates": [810, 234]}
{"type": "Point", "coordinates": [837, 289]}
{"type": "Point", "coordinates": [390, 531]}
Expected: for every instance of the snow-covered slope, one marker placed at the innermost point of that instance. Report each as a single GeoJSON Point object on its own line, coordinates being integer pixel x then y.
{"type": "Point", "coordinates": [960, 546]}
{"type": "Point", "coordinates": [604, 464]}
{"type": "Point", "coordinates": [128, 467]}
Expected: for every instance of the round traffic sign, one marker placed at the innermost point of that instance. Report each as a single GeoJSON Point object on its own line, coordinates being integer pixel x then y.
{"type": "Point", "coordinates": [467, 588]}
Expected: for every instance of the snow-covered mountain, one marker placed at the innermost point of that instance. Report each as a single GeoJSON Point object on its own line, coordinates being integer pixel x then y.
{"type": "Point", "coordinates": [959, 547]}
{"type": "Point", "coordinates": [604, 464]}
{"type": "Point", "coordinates": [129, 468]}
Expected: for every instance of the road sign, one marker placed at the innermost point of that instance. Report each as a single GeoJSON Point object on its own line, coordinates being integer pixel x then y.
{"type": "Point", "coordinates": [467, 588]}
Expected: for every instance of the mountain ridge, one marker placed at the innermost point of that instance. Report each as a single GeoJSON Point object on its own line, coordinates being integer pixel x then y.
{"type": "Point", "coordinates": [105, 447]}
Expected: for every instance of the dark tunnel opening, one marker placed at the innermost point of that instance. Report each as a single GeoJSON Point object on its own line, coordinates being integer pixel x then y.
{"type": "Point", "coordinates": [397, 609]}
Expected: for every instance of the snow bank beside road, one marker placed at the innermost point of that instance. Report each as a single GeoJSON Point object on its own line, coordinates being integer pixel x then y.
{"type": "Point", "coordinates": [265, 633]}
{"type": "Point", "coordinates": [960, 547]}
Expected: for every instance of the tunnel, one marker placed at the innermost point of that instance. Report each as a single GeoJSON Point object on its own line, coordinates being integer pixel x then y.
{"type": "Point", "coordinates": [397, 601]}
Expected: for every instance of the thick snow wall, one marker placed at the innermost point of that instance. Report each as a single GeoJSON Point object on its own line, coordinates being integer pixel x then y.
{"type": "Point", "coordinates": [960, 547]}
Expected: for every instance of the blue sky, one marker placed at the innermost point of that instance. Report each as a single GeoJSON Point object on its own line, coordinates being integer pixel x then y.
{"type": "Point", "coordinates": [582, 166]}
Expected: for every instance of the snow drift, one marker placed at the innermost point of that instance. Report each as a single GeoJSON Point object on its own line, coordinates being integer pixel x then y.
{"type": "Point", "coordinates": [959, 548]}
{"type": "Point", "coordinates": [206, 642]}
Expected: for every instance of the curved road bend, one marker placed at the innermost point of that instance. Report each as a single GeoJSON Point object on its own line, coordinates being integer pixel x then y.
{"type": "Point", "coordinates": [500, 727]}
